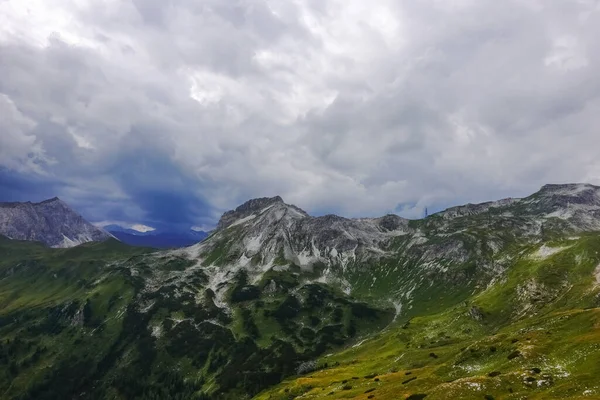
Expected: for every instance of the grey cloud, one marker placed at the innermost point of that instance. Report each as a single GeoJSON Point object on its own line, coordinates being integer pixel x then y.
{"type": "Point", "coordinates": [19, 147]}
{"type": "Point", "coordinates": [338, 106]}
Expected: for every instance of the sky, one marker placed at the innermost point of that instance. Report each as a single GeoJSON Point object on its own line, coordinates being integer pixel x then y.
{"type": "Point", "coordinates": [168, 112]}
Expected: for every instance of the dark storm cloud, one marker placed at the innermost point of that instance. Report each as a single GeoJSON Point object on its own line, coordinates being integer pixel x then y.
{"type": "Point", "coordinates": [169, 112]}
{"type": "Point", "coordinates": [25, 187]}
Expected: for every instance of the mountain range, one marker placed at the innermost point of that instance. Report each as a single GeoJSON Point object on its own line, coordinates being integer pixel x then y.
{"type": "Point", "coordinates": [53, 223]}
{"type": "Point", "coordinates": [158, 238]}
{"type": "Point", "coordinates": [499, 300]}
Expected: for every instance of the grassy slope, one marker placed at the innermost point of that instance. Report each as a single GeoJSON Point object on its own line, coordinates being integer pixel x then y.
{"type": "Point", "coordinates": [79, 322]}
{"type": "Point", "coordinates": [539, 338]}
{"type": "Point", "coordinates": [40, 289]}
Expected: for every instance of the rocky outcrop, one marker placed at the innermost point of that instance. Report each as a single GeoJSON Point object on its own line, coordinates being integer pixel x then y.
{"type": "Point", "coordinates": [250, 209]}
{"type": "Point", "coordinates": [476, 313]}
{"type": "Point", "coordinates": [51, 222]}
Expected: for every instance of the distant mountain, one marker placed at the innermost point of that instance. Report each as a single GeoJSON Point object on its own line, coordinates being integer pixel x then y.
{"type": "Point", "coordinates": [160, 239]}
{"type": "Point", "coordinates": [118, 228]}
{"type": "Point", "coordinates": [51, 222]}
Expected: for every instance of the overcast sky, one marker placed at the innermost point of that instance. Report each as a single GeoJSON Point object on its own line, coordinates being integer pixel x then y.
{"type": "Point", "coordinates": [171, 111]}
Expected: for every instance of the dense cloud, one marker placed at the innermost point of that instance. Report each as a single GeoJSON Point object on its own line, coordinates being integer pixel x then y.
{"type": "Point", "coordinates": [169, 112]}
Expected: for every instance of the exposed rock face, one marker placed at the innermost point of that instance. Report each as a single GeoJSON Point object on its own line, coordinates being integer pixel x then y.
{"type": "Point", "coordinates": [269, 227]}
{"type": "Point", "coordinates": [476, 313]}
{"type": "Point", "coordinates": [464, 247]}
{"type": "Point", "coordinates": [248, 209]}
{"type": "Point", "coordinates": [474, 209]}
{"type": "Point", "coordinates": [553, 200]}
{"type": "Point", "coordinates": [51, 222]}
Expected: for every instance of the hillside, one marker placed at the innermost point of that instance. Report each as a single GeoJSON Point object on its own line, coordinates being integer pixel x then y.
{"type": "Point", "coordinates": [494, 300]}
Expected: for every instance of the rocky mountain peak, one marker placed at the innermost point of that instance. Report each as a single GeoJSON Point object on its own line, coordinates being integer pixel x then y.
{"type": "Point", "coordinates": [569, 190]}
{"type": "Point", "coordinates": [474, 209]}
{"type": "Point", "coordinates": [565, 188]}
{"type": "Point", "coordinates": [566, 200]}
{"type": "Point", "coordinates": [254, 207]}
{"type": "Point", "coordinates": [392, 222]}
{"type": "Point", "coordinates": [268, 229]}
{"type": "Point", "coordinates": [258, 204]}
{"type": "Point", "coordinates": [51, 222]}
{"type": "Point", "coordinates": [51, 201]}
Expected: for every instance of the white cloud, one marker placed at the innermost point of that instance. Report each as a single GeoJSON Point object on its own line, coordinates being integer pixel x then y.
{"type": "Point", "coordinates": [19, 148]}
{"type": "Point", "coordinates": [344, 106]}
{"type": "Point", "coordinates": [127, 225]}
{"type": "Point", "coordinates": [142, 228]}
{"type": "Point", "coordinates": [205, 228]}
{"type": "Point", "coordinates": [567, 54]}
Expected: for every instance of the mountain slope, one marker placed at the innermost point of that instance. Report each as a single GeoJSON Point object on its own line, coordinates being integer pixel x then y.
{"type": "Point", "coordinates": [497, 300]}
{"type": "Point", "coordinates": [460, 250]}
{"type": "Point", "coordinates": [113, 321]}
{"type": "Point", "coordinates": [51, 222]}
{"type": "Point", "coordinates": [532, 334]}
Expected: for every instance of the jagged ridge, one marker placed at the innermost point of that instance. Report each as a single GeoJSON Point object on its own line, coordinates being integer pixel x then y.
{"type": "Point", "coordinates": [266, 233]}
